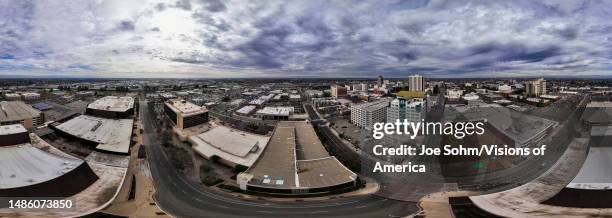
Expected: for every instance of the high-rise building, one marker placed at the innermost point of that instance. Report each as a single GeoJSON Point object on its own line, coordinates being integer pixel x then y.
{"type": "Point", "coordinates": [338, 91]}
{"type": "Point", "coordinates": [366, 114]}
{"type": "Point", "coordinates": [535, 87]}
{"type": "Point", "coordinates": [416, 82]}
{"type": "Point", "coordinates": [361, 87]}
{"type": "Point", "coordinates": [412, 110]}
{"type": "Point", "coordinates": [380, 81]}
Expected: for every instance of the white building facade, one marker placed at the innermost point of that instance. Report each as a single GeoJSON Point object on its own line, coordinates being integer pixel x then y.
{"type": "Point", "coordinates": [366, 114]}
{"type": "Point", "coordinates": [416, 83]}
{"type": "Point", "coordinates": [400, 109]}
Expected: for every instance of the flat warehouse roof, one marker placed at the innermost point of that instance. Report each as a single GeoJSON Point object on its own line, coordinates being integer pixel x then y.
{"type": "Point", "coordinates": [518, 126]}
{"type": "Point", "coordinates": [185, 107]}
{"type": "Point", "coordinates": [111, 134]}
{"type": "Point", "coordinates": [236, 146]}
{"type": "Point", "coordinates": [323, 172]}
{"type": "Point", "coordinates": [277, 111]}
{"type": "Point", "coordinates": [595, 172]}
{"type": "Point", "coordinates": [308, 144]}
{"type": "Point", "coordinates": [246, 109]}
{"type": "Point", "coordinates": [12, 129]}
{"type": "Point", "coordinates": [296, 158]}
{"type": "Point", "coordinates": [276, 166]}
{"type": "Point", "coordinates": [16, 110]}
{"type": "Point", "coordinates": [24, 165]}
{"type": "Point", "coordinates": [113, 103]}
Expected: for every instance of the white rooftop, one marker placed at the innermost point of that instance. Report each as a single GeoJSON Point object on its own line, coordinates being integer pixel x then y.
{"type": "Point", "coordinates": [229, 144]}
{"type": "Point", "coordinates": [184, 107]}
{"type": "Point", "coordinates": [111, 134]}
{"type": "Point", "coordinates": [16, 111]}
{"type": "Point", "coordinates": [24, 165]}
{"type": "Point", "coordinates": [373, 105]}
{"type": "Point", "coordinates": [601, 131]}
{"type": "Point", "coordinates": [30, 94]}
{"type": "Point", "coordinates": [276, 111]}
{"type": "Point", "coordinates": [549, 96]}
{"type": "Point", "coordinates": [600, 104]}
{"type": "Point", "coordinates": [595, 172]}
{"type": "Point", "coordinates": [246, 109]}
{"type": "Point", "coordinates": [12, 129]}
{"type": "Point", "coordinates": [113, 103]}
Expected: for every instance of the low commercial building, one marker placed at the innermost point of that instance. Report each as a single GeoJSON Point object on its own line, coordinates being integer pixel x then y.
{"type": "Point", "coordinates": [512, 127]}
{"type": "Point", "coordinates": [536, 101]}
{"type": "Point", "coordinates": [13, 134]}
{"type": "Point", "coordinates": [471, 99]}
{"type": "Point", "coordinates": [295, 98]}
{"type": "Point", "coordinates": [296, 163]}
{"type": "Point", "coordinates": [453, 94]}
{"type": "Point", "coordinates": [12, 96]}
{"type": "Point", "coordinates": [105, 135]}
{"type": "Point", "coordinates": [597, 114]}
{"type": "Point", "coordinates": [184, 114]}
{"type": "Point", "coordinates": [18, 112]}
{"type": "Point", "coordinates": [246, 110]}
{"type": "Point", "coordinates": [232, 147]}
{"type": "Point", "coordinates": [275, 113]}
{"type": "Point", "coordinates": [112, 107]}
{"type": "Point", "coordinates": [550, 97]}
{"type": "Point", "coordinates": [506, 89]}
{"type": "Point", "coordinates": [366, 114]}
{"type": "Point", "coordinates": [82, 94]}
{"type": "Point", "coordinates": [30, 96]}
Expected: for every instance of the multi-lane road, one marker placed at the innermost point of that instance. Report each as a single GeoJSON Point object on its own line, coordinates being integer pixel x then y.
{"type": "Point", "coordinates": [180, 197]}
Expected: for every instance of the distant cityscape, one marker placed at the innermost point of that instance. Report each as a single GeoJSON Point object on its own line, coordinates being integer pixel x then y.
{"type": "Point", "coordinates": [280, 138]}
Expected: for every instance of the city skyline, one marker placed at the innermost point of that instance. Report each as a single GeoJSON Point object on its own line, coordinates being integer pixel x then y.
{"type": "Point", "coordinates": [319, 39]}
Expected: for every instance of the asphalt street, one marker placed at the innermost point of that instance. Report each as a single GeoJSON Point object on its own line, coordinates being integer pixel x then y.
{"type": "Point", "coordinates": [182, 198]}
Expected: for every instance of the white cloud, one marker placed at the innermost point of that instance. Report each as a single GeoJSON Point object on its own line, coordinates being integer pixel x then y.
{"type": "Point", "coordinates": [304, 38]}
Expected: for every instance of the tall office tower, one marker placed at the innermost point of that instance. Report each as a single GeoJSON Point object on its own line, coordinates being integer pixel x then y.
{"type": "Point", "coordinates": [412, 110]}
{"type": "Point", "coordinates": [380, 81]}
{"type": "Point", "coordinates": [416, 82]}
{"type": "Point", "coordinates": [366, 114]}
{"type": "Point", "coordinates": [338, 91]}
{"type": "Point", "coordinates": [535, 87]}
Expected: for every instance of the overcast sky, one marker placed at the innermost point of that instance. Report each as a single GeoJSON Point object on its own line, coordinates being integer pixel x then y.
{"type": "Point", "coordinates": [198, 38]}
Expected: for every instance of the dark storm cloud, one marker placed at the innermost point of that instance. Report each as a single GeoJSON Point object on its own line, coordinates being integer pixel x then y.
{"type": "Point", "coordinates": [126, 25]}
{"type": "Point", "coordinates": [160, 6]}
{"type": "Point", "coordinates": [183, 4]}
{"type": "Point", "coordinates": [515, 52]}
{"type": "Point", "coordinates": [214, 5]}
{"type": "Point", "coordinates": [569, 33]}
{"type": "Point", "coordinates": [344, 38]}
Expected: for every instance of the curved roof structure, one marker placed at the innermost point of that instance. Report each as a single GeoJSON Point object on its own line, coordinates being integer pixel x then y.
{"type": "Point", "coordinates": [595, 172]}
{"type": "Point", "coordinates": [113, 135]}
{"type": "Point", "coordinates": [29, 171]}
{"type": "Point", "coordinates": [235, 146]}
